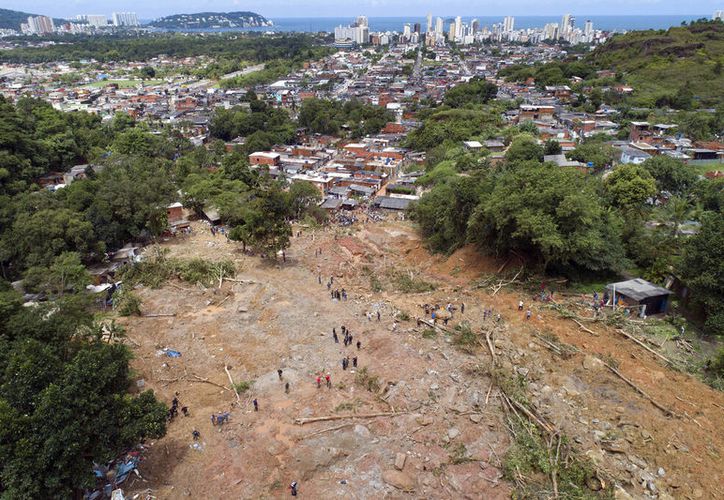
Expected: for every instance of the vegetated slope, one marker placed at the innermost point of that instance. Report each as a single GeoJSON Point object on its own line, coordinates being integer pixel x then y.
{"type": "Point", "coordinates": [11, 19]}
{"type": "Point", "coordinates": [659, 62]}
{"type": "Point", "coordinates": [203, 20]}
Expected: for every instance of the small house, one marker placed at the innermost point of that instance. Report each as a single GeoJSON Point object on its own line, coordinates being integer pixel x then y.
{"type": "Point", "coordinates": [651, 299]}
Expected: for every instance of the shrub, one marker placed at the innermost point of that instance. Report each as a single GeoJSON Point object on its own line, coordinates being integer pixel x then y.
{"type": "Point", "coordinates": [127, 303]}
{"type": "Point", "coordinates": [367, 380]}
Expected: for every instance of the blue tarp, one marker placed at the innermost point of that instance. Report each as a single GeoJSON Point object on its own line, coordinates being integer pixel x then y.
{"type": "Point", "coordinates": [172, 354]}
{"type": "Point", "coordinates": [124, 469]}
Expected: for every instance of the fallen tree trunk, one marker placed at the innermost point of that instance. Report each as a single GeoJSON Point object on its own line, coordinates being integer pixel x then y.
{"type": "Point", "coordinates": [233, 387]}
{"type": "Point", "coordinates": [500, 285]}
{"type": "Point", "coordinates": [244, 282]}
{"type": "Point", "coordinates": [159, 315]}
{"type": "Point", "coordinates": [490, 346]}
{"type": "Point", "coordinates": [302, 421]}
{"type": "Point", "coordinates": [432, 325]}
{"type": "Point", "coordinates": [667, 412]}
{"type": "Point", "coordinates": [584, 328]}
{"type": "Point", "coordinates": [328, 429]}
{"type": "Point", "coordinates": [631, 337]}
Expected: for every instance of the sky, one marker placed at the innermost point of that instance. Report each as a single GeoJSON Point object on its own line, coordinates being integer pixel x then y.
{"type": "Point", "coordinates": [150, 9]}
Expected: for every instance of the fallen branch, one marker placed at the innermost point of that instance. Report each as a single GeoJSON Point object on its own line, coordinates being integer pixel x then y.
{"type": "Point", "coordinates": [245, 282]}
{"type": "Point", "coordinates": [432, 325]}
{"type": "Point", "coordinates": [584, 328]}
{"type": "Point", "coordinates": [159, 315]}
{"type": "Point", "coordinates": [487, 396]}
{"type": "Point", "coordinates": [631, 337]}
{"type": "Point", "coordinates": [667, 412]}
{"type": "Point", "coordinates": [207, 381]}
{"type": "Point", "coordinates": [302, 421]}
{"type": "Point", "coordinates": [490, 346]}
{"type": "Point", "coordinates": [328, 429]}
{"type": "Point", "coordinates": [233, 386]}
{"type": "Point", "coordinates": [502, 284]}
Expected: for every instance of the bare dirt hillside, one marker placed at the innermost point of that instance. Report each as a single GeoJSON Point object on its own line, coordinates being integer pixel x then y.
{"type": "Point", "coordinates": [444, 427]}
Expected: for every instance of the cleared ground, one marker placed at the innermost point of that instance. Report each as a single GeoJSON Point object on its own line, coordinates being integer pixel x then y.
{"type": "Point", "coordinates": [279, 316]}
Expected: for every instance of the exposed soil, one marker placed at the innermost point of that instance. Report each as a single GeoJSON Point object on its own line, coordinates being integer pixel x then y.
{"type": "Point", "coordinates": [280, 316]}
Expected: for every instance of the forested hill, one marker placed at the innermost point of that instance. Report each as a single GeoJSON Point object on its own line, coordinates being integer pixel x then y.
{"type": "Point", "coordinates": [653, 61]}
{"type": "Point", "coordinates": [206, 20]}
{"type": "Point", "coordinates": [11, 19]}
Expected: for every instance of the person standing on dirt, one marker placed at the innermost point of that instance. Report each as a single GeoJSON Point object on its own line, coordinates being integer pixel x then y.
{"type": "Point", "coordinates": [196, 434]}
{"type": "Point", "coordinates": [334, 336]}
{"type": "Point", "coordinates": [256, 405]}
{"type": "Point", "coordinates": [319, 382]}
{"type": "Point", "coordinates": [354, 362]}
{"type": "Point", "coordinates": [293, 488]}
{"type": "Point", "coordinates": [280, 372]}
{"type": "Point", "coordinates": [213, 419]}
{"type": "Point", "coordinates": [286, 388]}
{"type": "Point", "coordinates": [378, 316]}
{"type": "Point", "coordinates": [520, 305]}
{"type": "Point", "coordinates": [359, 345]}
{"type": "Point", "coordinates": [462, 307]}
{"type": "Point", "coordinates": [328, 378]}
{"type": "Point", "coordinates": [528, 314]}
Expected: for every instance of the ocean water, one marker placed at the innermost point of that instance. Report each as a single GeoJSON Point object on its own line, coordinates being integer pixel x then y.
{"type": "Point", "coordinates": [607, 23]}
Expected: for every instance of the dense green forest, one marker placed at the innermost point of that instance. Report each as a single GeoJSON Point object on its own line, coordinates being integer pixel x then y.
{"type": "Point", "coordinates": [122, 47]}
{"type": "Point", "coordinates": [329, 117]}
{"type": "Point", "coordinates": [566, 222]}
{"type": "Point", "coordinates": [63, 388]}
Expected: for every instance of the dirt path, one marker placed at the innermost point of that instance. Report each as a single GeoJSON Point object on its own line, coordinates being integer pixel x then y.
{"type": "Point", "coordinates": [284, 319]}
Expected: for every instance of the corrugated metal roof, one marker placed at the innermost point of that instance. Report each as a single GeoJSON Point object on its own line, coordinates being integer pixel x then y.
{"type": "Point", "coordinates": [638, 289]}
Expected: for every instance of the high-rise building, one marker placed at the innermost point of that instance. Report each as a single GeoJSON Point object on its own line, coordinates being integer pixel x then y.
{"type": "Point", "coordinates": [406, 31]}
{"type": "Point", "coordinates": [40, 25]}
{"type": "Point", "coordinates": [95, 20]}
{"type": "Point", "coordinates": [550, 32]}
{"type": "Point", "coordinates": [566, 24]}
{"type": "Point", "coordinates": [125, 19]}
{"type": "Point", "coordinates": [588, 30]}
{"type": "Point", "coordinates": [416, 28]}
{"type": "Point", "coordinates": [346, 35]}
{"type": "Point", "coordinates": [439, 26]}
{"type": "Point", "coordinates": [474, 26]}
{"type": "Point", "coordinates": [508, 24]}
{"type": "Point", "coordinates": [451, 33]}
{"type": "Point", "coordinates": [458, 27]}
{"type": "Point", "coordinates": [429, 23]}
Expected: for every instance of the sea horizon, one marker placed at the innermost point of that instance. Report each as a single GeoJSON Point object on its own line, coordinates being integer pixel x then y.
{"type": "Point", "coordinates": [396, 23]}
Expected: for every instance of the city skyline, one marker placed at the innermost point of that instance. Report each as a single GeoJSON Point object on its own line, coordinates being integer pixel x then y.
{"type": "Point", "coordinates": [372, 8]}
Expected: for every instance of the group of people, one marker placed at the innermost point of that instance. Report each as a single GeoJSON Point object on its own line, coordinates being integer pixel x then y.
{"type": "Point", "coordinates": [173, 411]}
{"type": "Point", "coordinates": [528, 312]}
{"type": "Point", "coordinates": [327, 378]}
{"type": "Point", "coordinates": [218, 230]}
{"type": "Point", "coordinates": [348, 338]}
{"type": "Point", "coordinates": [220, 419]}
{"type": "Point", "coordinates": [434, 311]}
{"type": "Point", "coordinates": [370, 315]}
{"type": "Point", "coordinates": [488, 314]}
{"type": "Point", "coordinates": [345, 362]}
